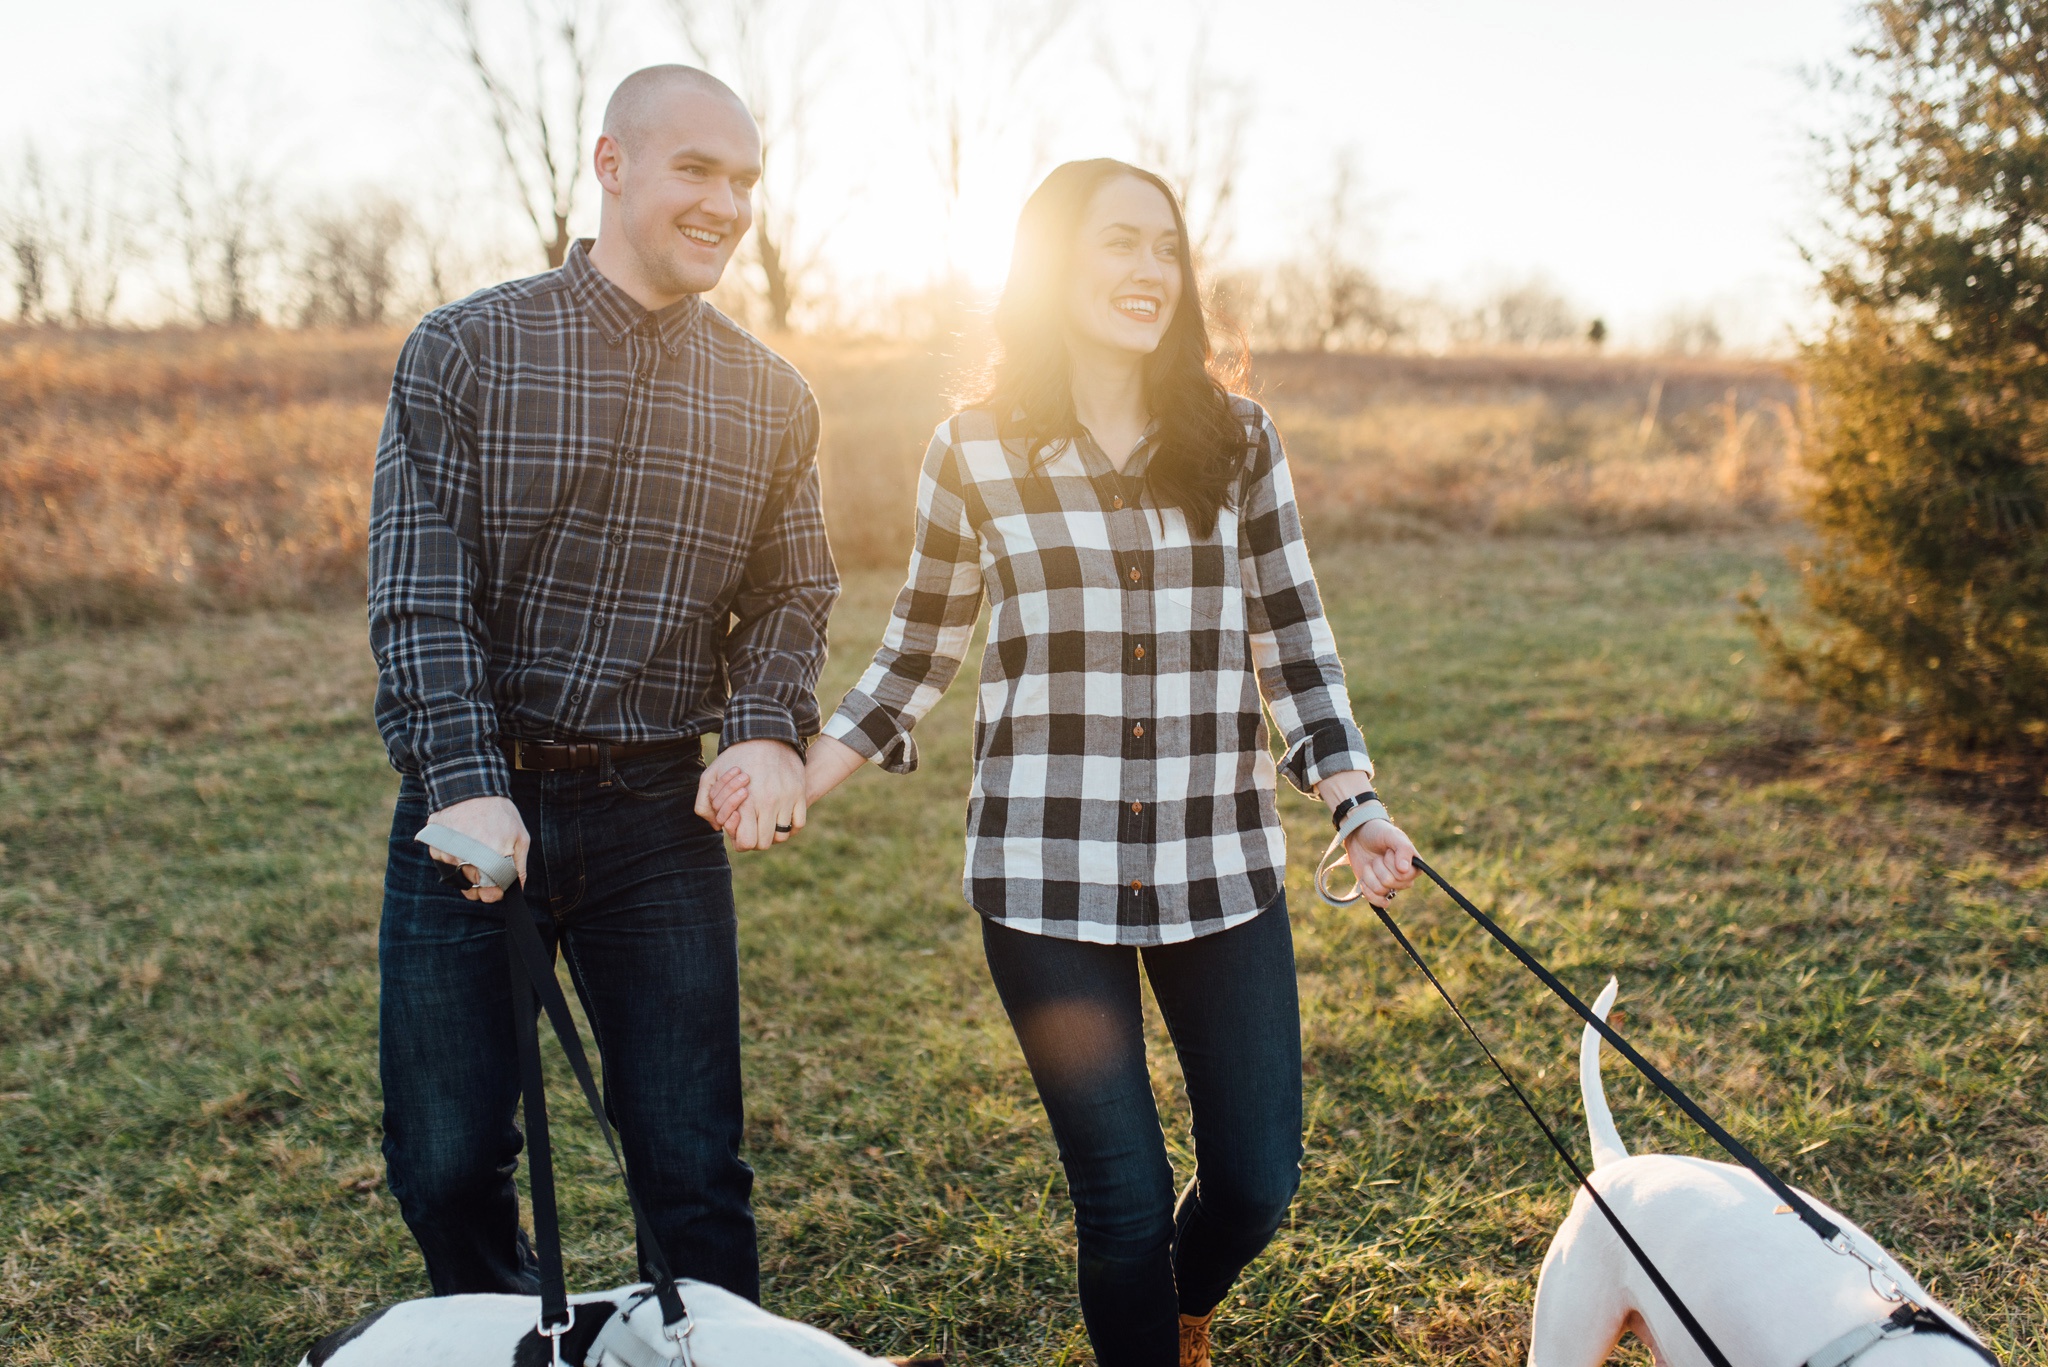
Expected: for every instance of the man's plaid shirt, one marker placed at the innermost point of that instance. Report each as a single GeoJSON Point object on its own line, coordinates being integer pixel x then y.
{"type": "Point", "coordinates": [1123, 786]}
{"type": "Point", "coordinates": [591, 521]}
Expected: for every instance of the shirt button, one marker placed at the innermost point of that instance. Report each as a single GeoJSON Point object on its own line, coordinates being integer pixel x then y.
{"type": "Point", "coordinates": [1139, 730]}
{"type": "Point", "coordinates": [1117, 502]}
{"type": "Point", "coordinates": [1135, 574]}
{"type": "Point", "coordinates": [1136, 808]}
{"type": "Point", "coordinates": [576, 695]}
{"type": "Point", "coordinates": [1139, 652]}
{"type": "Point", "coordinates": [1137, 885]}
{"type": "Point", "coordinates": [618, 538]}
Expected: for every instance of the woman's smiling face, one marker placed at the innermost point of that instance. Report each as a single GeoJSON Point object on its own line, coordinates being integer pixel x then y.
{"type": "Point", "coordinates": [1126, 278]}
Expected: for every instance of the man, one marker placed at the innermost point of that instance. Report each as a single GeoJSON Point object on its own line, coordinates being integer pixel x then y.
{"type": "Point", "coordinates": [595, 537]}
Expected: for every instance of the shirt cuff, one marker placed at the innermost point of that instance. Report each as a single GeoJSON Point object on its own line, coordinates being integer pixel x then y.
{"type": "Point", "coordinates": [756, 718]}
{"type": "Point", "coordinates": [1333, 747]}
{"type": "Point", "coordinates": [458, 778]}
{"type": "Point", "coordinates": [874, 732]}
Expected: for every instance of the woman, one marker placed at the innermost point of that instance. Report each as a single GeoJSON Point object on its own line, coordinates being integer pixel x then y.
{"type": "Point", "coordinates": [1132, 524]}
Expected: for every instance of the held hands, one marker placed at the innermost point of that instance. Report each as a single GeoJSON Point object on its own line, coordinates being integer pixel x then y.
{"type": "Point", "coordinates": [723, 796]}
{"type": "Point", "coordinates": [495, 822]}
{"type": "Point", "coordinates": [754, 792]}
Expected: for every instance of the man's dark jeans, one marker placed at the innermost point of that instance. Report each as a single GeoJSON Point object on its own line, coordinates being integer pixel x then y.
{"type": "Point", "coordinates": [1230, 1003]}
{"type": "Point", "coordinates": [634, 889]}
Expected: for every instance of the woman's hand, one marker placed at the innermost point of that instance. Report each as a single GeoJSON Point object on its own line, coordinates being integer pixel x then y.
{"type": "Point", "coordinates": [827, 764]}
{"type": "Point", "coordinates": [1383, 858]}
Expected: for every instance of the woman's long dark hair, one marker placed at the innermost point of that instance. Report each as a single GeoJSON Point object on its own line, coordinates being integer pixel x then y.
{"type": "Point", "coordinates": [1201, 447]}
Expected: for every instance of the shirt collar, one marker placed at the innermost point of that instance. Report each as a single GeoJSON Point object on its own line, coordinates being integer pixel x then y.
{"type": "Point", "coordinates": [1134, 465]}
{"type": "Point", "coordinates": [616, 313]}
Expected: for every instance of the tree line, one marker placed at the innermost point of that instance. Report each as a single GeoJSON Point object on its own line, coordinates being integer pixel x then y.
{"type": "Point", "coordinates": [192, 212]}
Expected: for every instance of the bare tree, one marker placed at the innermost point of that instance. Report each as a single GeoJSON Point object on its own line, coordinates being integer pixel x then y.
{"type": "Point", "coordinates": [1523, 313]}
{"type": "Point", "coordinates": [219, 189]}
{"type": "Point", "coordinates": [1325, 297]}
{"type": "Point", "coordinates": [70, 239]}
{"type": "Point", "coordinates": [1191, 132]}
{"type": "Point", "coordinates": [774, 51]}
{"type": "Point", "coordinates": [28, 223]}
{"type": "Point", "coordinates": [349, 267]}
{"type": "Point", "coordinates": [969, 66]}
{"type": "Point", "coordinates": [535, 91]}
{"type": "Point", "coordinates": [1689, 331]}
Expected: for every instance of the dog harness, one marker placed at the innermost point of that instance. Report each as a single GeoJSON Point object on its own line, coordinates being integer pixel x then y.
{"type": "Point", "coordinates": [1907, 1319]}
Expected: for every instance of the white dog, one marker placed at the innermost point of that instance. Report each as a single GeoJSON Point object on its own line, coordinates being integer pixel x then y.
{"type": "Point", "coordinates": [1767, 1291]}
{"type": "Point", "coordinates": [619, 1328]}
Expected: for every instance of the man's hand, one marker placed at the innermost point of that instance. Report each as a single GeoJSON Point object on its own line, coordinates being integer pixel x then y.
{"type": "Point", "coordinates": [1383, 858]}
{"type": "Point", "coordinates": [773, 777]}
{"type": "Point", "coordinates": [495, 822]}
{"type": "Point", "coordinates": [828, 764]}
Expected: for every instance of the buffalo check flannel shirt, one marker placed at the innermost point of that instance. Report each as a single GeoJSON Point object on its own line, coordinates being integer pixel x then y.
{"type": "Point", "coordinates": [1123, 785]}
{"type": "Point", "coordinates": [591, 521]}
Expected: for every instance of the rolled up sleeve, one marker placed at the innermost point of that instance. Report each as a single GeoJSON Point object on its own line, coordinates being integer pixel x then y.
{"type": "Point", "coordinates": [1294, 652]}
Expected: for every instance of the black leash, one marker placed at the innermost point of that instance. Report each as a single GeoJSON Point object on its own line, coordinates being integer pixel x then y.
{"type": "Point", "coordinates": [1830, 1233]}
{"type": "Point", "coordinates": [1910, 1317]}
{"type": "Point", "coordinates": [1671, 1297]}
{"type": "Point", "coordinates": [534, 982]}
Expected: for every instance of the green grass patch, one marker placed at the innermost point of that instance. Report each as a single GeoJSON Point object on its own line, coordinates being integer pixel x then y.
{"type": "Point", "coordinates": [1843, 964]}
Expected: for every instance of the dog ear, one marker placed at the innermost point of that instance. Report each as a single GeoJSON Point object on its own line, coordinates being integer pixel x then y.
{"type": "Point", "coordinates": [591, 1318]}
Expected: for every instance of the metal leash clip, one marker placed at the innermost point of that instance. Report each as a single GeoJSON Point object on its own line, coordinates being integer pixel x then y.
{"type": "Point", "coordinates": [554, 1335]}
{"type": "Point", "coordinates": [679, 1335]}
{"type": "Point", "coordinates": [1840, 1244]}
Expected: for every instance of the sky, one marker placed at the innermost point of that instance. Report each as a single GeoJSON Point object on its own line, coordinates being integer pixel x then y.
{"type": "Point", "coordinates": [1643, 158]}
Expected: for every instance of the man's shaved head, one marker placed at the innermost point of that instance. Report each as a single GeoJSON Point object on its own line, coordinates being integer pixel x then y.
{"type": "Point", "coordinates": [631, 110]}
{"type": "Point", "coordinates": [678, 162]}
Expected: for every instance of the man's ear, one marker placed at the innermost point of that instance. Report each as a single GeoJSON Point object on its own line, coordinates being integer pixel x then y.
{"type": "Point", "coordinates": [609, 162]}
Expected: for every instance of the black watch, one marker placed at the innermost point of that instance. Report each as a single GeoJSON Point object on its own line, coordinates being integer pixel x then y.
{"type": "Point", "coordinates": [1343, 809]}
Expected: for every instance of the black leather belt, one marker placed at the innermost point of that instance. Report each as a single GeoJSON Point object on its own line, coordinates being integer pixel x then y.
{"type": "Point", "coordinates": [589, 754]}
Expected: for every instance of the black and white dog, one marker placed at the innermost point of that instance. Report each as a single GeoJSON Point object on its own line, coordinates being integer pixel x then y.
{"type": "Point", "coordinates": [619, 1328]}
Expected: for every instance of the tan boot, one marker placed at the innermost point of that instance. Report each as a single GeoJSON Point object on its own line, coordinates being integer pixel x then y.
{"type": "Point", "coordinates": [1194, 1339]}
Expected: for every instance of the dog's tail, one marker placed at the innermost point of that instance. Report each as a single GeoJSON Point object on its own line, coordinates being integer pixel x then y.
{"type": "Point", "coordinates": [1607, 1145]}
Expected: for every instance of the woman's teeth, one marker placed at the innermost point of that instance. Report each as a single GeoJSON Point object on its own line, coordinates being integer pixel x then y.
{"type": "Point", "coordinates": [1143, 309]}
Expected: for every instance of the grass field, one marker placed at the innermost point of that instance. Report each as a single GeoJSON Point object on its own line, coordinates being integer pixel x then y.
{"type": "Point", "coordinates": [1846, 965]}
{"type": "Point", "coordinates": [148, 474]}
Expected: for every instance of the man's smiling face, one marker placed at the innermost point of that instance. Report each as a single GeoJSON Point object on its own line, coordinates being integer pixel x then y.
{"type": "Point", "coordinates": [686, 177]}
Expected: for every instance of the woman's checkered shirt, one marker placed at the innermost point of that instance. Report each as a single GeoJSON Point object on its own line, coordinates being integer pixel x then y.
{"type": "Point", "coordinates": [1123, 785]}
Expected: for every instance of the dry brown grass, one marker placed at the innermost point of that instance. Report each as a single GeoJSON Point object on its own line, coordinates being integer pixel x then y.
{"type": "Point", "coordinates": [147, 474]}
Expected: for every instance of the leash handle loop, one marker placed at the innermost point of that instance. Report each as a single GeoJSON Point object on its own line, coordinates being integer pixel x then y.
{"type": "Point", "coordinates": [533, 980]}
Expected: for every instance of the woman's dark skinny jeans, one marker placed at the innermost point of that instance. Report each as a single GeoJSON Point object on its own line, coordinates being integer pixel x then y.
{"type": "Point", "coordinates": [1230, 1004]}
